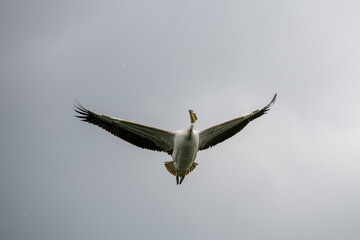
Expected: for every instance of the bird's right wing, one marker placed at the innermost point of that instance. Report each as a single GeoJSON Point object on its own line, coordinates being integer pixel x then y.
{"type": "Point", "coordinates": [134, 133]}
{"type": "Point", "coordinates": [219, 133]}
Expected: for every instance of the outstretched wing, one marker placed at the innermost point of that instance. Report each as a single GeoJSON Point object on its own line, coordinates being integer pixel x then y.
{"type": "Point", "coordinates": [137, 134]}
{"type": "Point", "coordinates": [219, 133]}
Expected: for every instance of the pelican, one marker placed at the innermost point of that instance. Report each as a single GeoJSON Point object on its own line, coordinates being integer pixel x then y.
{"type": "Point", "coordinates": [181, 145]}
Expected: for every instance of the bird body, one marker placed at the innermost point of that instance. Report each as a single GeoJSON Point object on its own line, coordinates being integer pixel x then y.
{"type": "Point", "coordinates": [182, 145]}
{"type": "Point", "coordinates": [186, 146]}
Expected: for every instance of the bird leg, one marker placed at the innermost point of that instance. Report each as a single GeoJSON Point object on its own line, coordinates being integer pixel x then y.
{"type": "Point", "coordinates": [182, 178]}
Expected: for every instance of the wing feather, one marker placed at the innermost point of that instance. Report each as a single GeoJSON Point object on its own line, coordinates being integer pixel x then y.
{"type": "Point", "coordinates": [134, 133]}
{"type": "Point", "coordinates": [219, 133]}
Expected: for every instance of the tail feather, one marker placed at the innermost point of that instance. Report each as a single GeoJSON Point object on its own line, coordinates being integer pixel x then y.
{"type": "Point", "coordinates": [171, 168]}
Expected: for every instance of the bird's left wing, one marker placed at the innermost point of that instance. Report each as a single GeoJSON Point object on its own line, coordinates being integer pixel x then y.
{"type": "Point", "coordinates": [219, 133]}
{"type": "Point", "coordinates": [134, 133]}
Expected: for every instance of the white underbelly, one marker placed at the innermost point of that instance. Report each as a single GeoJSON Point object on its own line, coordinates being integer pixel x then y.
{"type": "Point", "coordinates": [185, 150]}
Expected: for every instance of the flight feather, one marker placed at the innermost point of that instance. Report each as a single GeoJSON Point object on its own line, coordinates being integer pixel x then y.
{"type": "Point", "coordinates": [219, 133]}
{"type": "Point", "coordinates": [136, 134]}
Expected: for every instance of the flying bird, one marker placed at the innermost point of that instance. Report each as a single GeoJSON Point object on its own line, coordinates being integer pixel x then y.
{"type": "Point", "coordinates": [181, 145]}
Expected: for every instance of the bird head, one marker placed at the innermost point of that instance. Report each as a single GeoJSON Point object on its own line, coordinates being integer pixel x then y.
{"type": "Point", "coordinates": [193, 116]}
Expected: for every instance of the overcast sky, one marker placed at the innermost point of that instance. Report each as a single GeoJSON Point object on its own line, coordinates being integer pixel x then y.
{"type": "Point", "coordinates": [291, 174]}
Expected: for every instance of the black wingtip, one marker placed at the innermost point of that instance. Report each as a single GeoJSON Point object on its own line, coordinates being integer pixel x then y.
{"type": "Point", "coordinates": [81, 110]}
{"type": "Point", "coordinates": [271, 102]}
{"type": "Point", "coordinates": [267, 107]}
{"type": "Point", "coordinates": [273, 99]}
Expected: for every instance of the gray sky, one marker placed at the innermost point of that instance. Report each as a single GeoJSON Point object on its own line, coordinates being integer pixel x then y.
{"type": "Point", "coordinates": [291, 174]}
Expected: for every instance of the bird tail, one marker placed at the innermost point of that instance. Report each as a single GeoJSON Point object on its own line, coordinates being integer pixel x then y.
{"type": "Point", "coordinates": [171, 168]}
